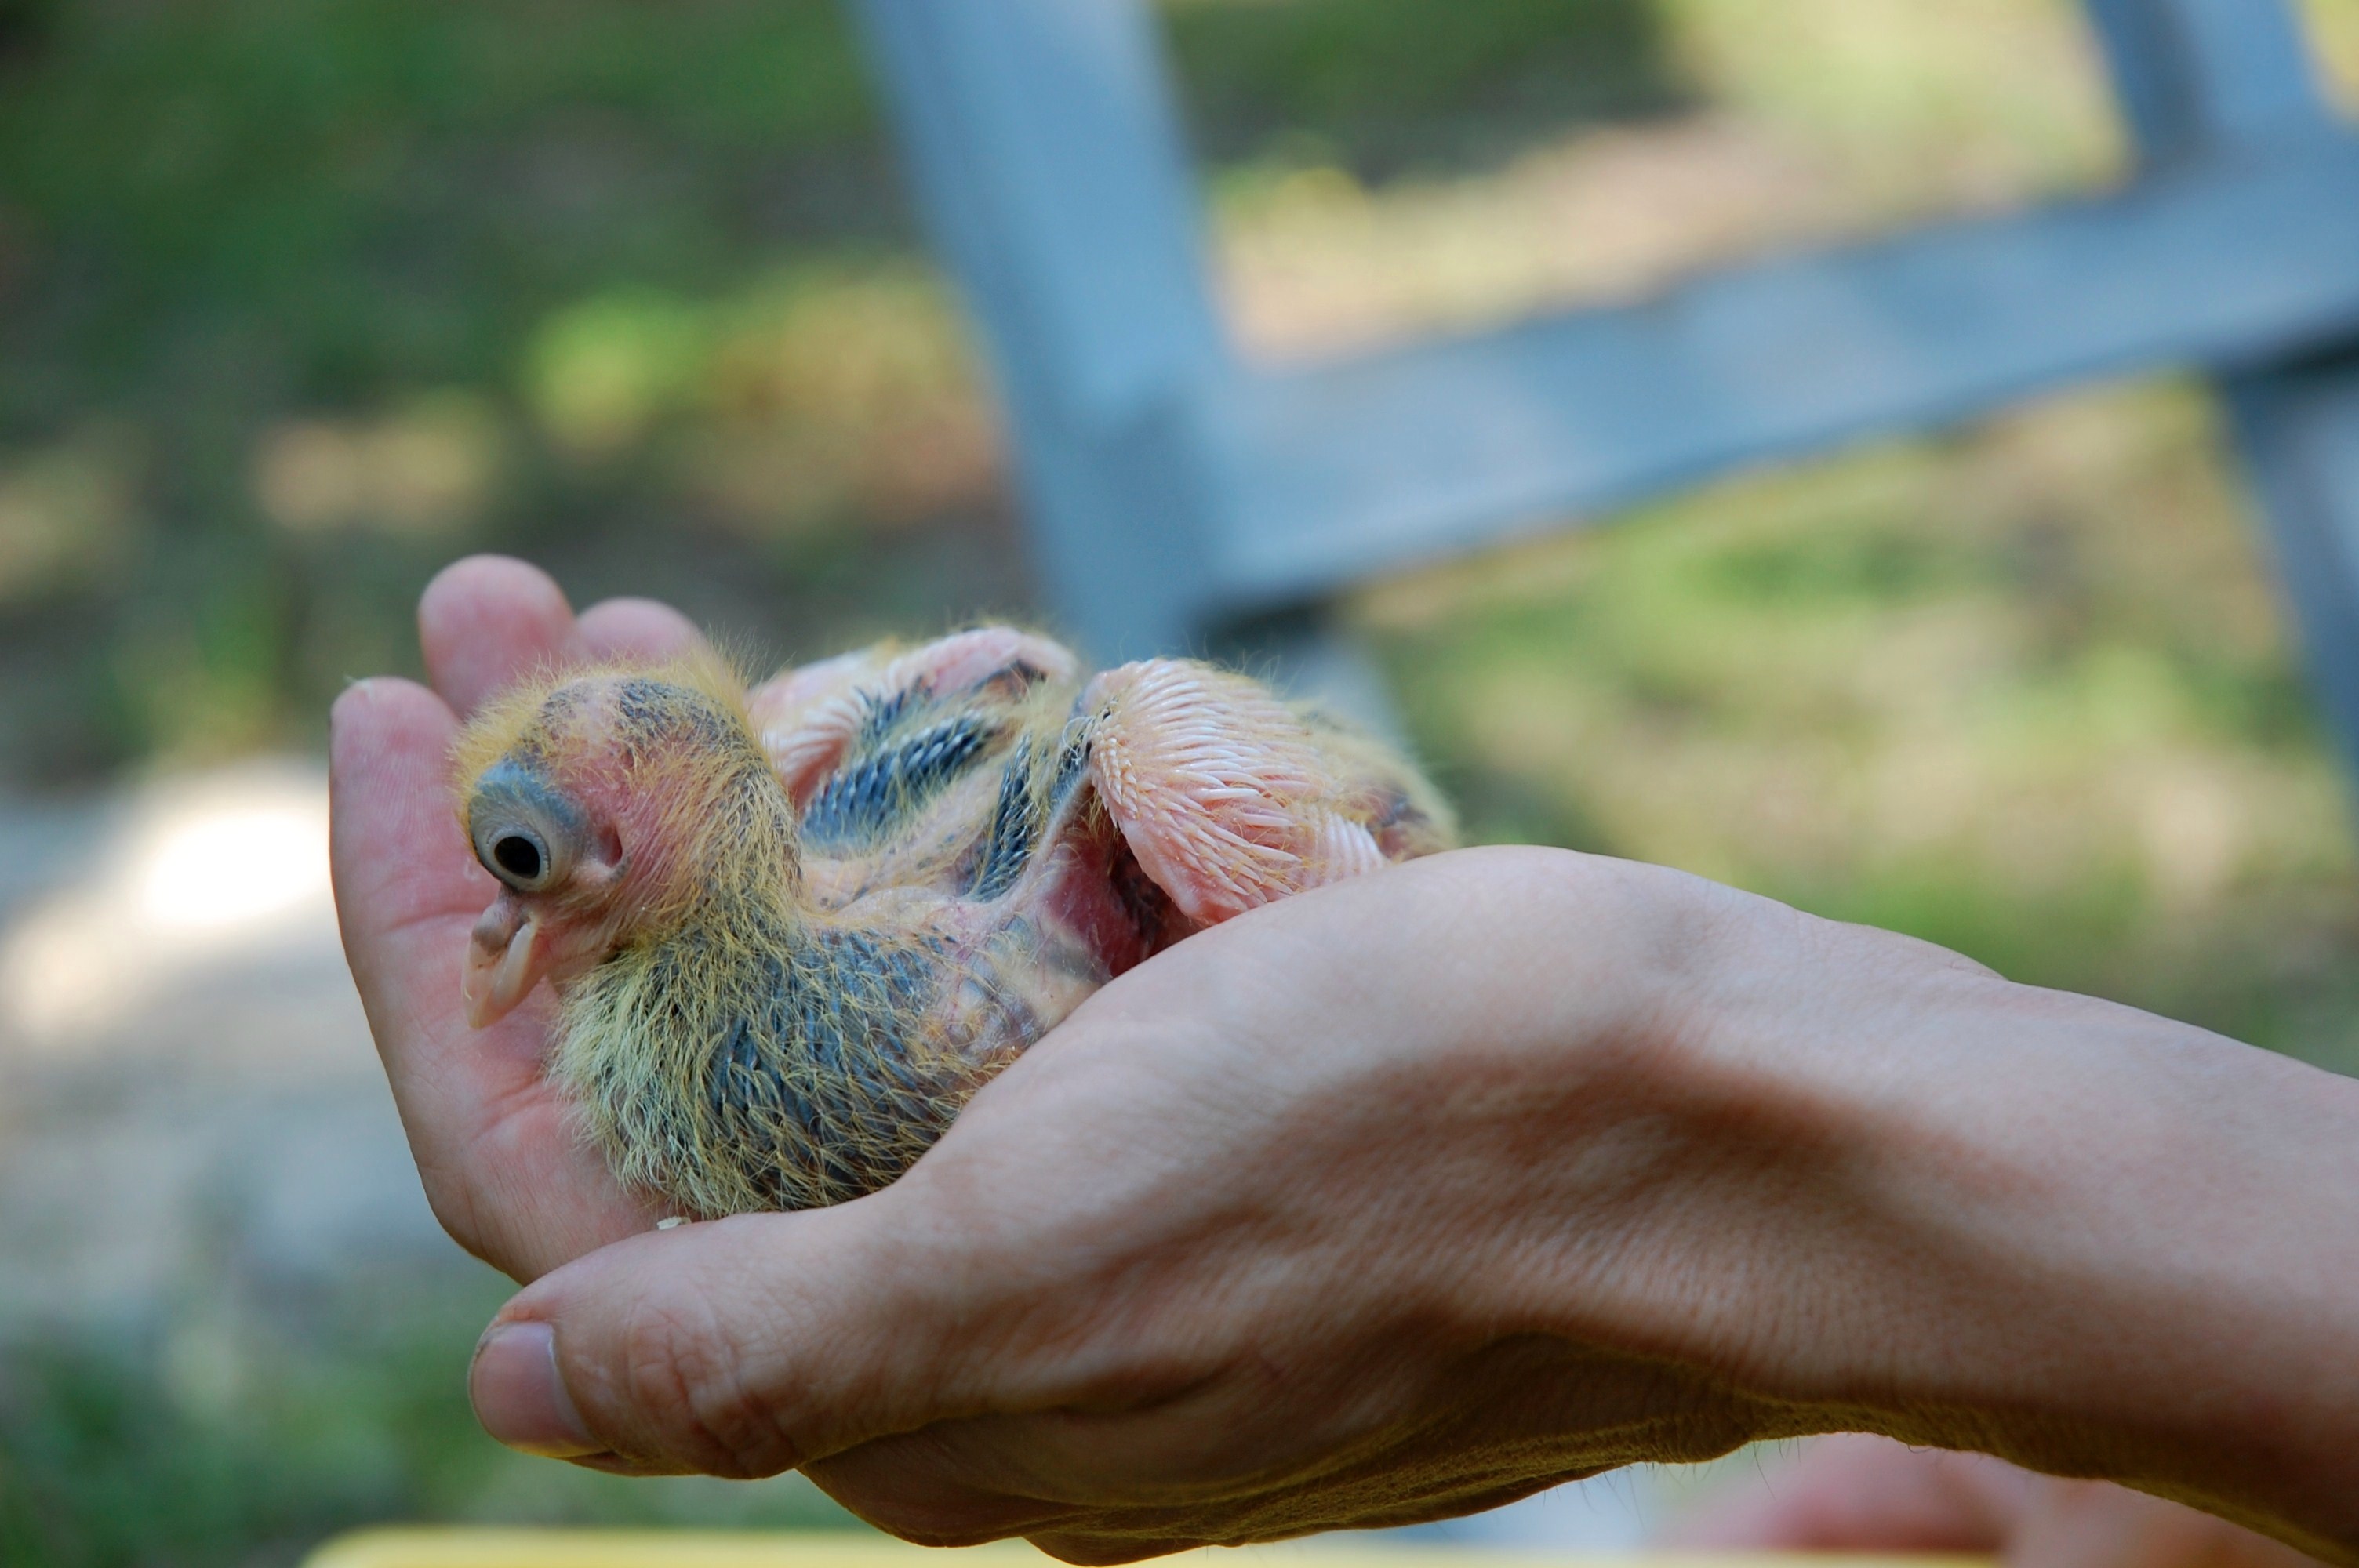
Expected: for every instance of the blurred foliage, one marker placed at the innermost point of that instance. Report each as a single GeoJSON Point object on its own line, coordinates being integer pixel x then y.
{"type": "Point", "coordinates": [1387, 86]}
{"type": "Point", "coordinates": [244, 1424]}
{"type": "Point", "coordinates": [299, 299]}
{"type": "Point", "coordinates": [290, 269]}
{"type": "Point", "coordinates": [1771, 129]}
{"type": "Point", "coordinates": [2020, 691]}
{"type": "Point", "coordinates": [1970, 103]}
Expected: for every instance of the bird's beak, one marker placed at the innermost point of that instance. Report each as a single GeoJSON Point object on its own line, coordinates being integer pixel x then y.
{"type": "Point", "coordinates": [506, 958]}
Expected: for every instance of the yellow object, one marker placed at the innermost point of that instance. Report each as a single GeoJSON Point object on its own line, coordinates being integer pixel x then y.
{"type": "Point", "coordinates": [421, 1546]}
{"type": "Point", "coordinates": [430, 1547]}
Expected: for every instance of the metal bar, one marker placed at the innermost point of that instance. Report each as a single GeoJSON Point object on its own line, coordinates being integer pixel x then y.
{"type": "Point", "coordinates": [2193, 72]}
{"type": "Point", "coordinates": [1433, 448]}
{"type": "Point", "coordinates": [2299, 429]}
{"type": "Point", "coordinates": [1047, 158]}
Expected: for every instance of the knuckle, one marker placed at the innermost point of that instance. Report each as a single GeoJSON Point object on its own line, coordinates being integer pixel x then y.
{"type": "Point", "coordinates": [688, 1378]}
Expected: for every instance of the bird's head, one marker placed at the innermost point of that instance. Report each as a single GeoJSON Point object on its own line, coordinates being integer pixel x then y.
{"type": "Point", "coordinates": [607, 803]}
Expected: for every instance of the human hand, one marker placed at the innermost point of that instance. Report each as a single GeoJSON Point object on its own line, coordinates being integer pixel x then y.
{"type": "Point", "coordinates": [1407, 1196]}
{"type": "Point", "coordinates": [512, 1182]}
{"type": "Point", "coordinates": [1250, 1246]}
{"type": "Point", "coordinates": [507, 1176]}
{"type": "Point", "coordinates": [1859, 1493]}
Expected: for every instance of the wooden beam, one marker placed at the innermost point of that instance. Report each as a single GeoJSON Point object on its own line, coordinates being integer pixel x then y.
{"type": "Point", "coordinates": [1045, 149]}
{"type": "Point", "coordinates": [1411, 455]}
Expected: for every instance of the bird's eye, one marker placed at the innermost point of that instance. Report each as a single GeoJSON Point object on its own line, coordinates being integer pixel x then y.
{"type": "Point", "coordinates": [519, 855]}
{"type": "Point", "coordinates": [525, 833]}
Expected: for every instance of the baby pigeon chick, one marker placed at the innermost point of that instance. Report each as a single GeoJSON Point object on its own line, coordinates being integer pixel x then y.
{"type": "Point", "coordinates": [792, 931]}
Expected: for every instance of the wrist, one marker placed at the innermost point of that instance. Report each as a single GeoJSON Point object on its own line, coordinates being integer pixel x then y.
{"type": "Point", "coordinates": [1868, 1185]}
{"type": "Point", "coordinates": [2141, 1254]}
{"type": "Point", "coordinates": [1623, 1198]}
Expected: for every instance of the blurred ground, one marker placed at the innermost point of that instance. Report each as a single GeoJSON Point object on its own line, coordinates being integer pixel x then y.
{"type": "Point", "coordinates": [232, 1322]}
{"type": "Point", "coordinates": [299, 300]}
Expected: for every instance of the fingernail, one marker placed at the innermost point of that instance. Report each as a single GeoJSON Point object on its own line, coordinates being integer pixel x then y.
{"type": "Point", "coordinates": [519, 1397]}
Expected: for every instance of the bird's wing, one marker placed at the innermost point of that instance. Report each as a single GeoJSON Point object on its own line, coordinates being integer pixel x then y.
{"type": "Point", "coordinates": [1229, 797]}
{"type": "Point", "coordinates": [811, 716]}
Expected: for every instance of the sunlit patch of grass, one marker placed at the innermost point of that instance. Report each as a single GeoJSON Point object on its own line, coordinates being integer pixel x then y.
{"type": "Point", "coordinates": [69, 514]}
{"type": "Point", "coordinates": [1313, 261]}
{"type": "Point", "coordinates": [1974, 104]}
{"type": "Point", "coordinates": [2334, 26]}
{"type": "Point", "coordinates": [1775, 126]}
{"type": "Point", "coordinates": [817, 394]}
{"type": "Point", "coordinates": [431, 468]}
{"type": "Point", "coordinates": [2018, 690]}
{"type": "Point", "coordinates": [602, 371]}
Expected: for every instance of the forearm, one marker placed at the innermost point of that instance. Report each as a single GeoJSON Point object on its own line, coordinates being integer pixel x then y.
{"type": "Point", "coordinates": [1874, 1187]}
{"type": "Point", "coordinates": [2121, 1247]}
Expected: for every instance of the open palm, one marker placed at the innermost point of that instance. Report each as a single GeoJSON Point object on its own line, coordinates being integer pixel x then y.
{"type": "Point", "coordinates": [505, 1170]}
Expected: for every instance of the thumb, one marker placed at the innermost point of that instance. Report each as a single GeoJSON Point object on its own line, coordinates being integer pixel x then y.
{"type": "Point", "coordinates": [741, 1348]}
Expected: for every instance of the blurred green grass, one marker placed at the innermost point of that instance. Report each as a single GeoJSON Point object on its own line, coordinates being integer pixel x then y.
{"type": "Point", "coordinates": [299, 300]}
{"type": "Point", "coordinates": [2020, 690]}
{"type": "Point", "coordinates": [244, 1425]}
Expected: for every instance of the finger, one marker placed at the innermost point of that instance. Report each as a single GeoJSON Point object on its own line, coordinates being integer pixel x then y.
{"type": "Point", "coordinates": [396, 852]}
{"type": "Point", "coordinates": [636, 629]}
{"type": "Point", "coordinates": [505, 1175]}
{"type": "Point", "coordinates": [747, 1345]}
{"type": "Point", "coordinates": [486, 620]}
{"type": "Point", "coordinates": [406, 887]}
{"type": "Point", "coordinates": [1861, 1493]}
{"type": "Point", "coordinates": [2094, 1524]}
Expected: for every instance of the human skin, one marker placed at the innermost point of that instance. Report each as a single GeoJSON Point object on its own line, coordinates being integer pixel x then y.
{"type": "Point", "coordinates": [1858, 1493]}
{"type": "Point", "coordinates": [1398, 1199]}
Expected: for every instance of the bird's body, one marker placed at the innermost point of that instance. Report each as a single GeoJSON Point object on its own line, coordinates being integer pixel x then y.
{"type": "Point", "coordinates": [792, 931]}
